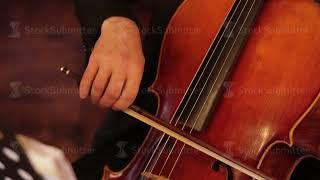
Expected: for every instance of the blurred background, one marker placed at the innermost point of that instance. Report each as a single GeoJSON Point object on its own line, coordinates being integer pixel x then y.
{"type": "Point", "coordinates": [36, 39]}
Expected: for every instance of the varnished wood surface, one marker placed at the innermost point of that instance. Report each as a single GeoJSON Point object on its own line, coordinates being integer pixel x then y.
{"type": "Point", "coordinates": [308, 132]}
{"type": "Point", "coordinates": [273, 85]}
{"type": "Point", "coordinates": [274, 82]}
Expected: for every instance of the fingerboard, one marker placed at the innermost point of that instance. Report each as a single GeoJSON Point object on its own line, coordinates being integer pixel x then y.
{"type": "Point", "coordinates": [210, 81]}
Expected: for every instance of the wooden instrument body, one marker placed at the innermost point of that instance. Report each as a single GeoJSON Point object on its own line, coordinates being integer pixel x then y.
{"type": "Point", "coordinates": [273, 87]}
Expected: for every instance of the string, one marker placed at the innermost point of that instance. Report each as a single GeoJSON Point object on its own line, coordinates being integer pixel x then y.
{"type": "Point", "coordinates": [183, 107]}
{"type": "Point", "coordinates": [204, 87]}
{"type": "Point", "coordinates": [212, 87]}
{"type": "Point", "coordinates": [187, 119]}
{"type": "Point", "coordinates": [190, 96]}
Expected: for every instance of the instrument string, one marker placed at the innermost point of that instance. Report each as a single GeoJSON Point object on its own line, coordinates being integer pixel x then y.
{"type": "Point", "coordinates": [192, 108]}
{"type": "Point", "coordinates": [158, 144]}
{"type": "Point", "coordinates": [212, 87]}
{"type": "Point", "coordinates": [187, 99]}
{"type": "Point", "coordinates": [185, 123]}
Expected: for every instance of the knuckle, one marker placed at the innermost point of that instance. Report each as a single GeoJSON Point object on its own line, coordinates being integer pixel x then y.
{"type": "Point", "coordinates": [130, 95]}
{"type": "Point", "coordinates": [138, 66]}
{"type": "Point", "coordinates": [93, 60]}
{"type": "Point", "coordinates": [128, 100]}
{"type": "Point", "coordinates": [119, 82]}
{"type": "Point", "coordinates": [136, 72]}
{"type": "Point", "coordinates": [124, 55]}
{"type": "Point", "coordinates": [141, 62]}
{"type": "Point", "coordinates": [112, 95]}
{"type": "Point", "coordinates": [98, 87]}
{"type": "Point", "coordinates": [120, 106]}
{"type": "Point", "coordinates": [97, 58]}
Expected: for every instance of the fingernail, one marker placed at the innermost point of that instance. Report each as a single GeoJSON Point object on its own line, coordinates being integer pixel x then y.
{"type": "Point", "coordinates": [82, 96]}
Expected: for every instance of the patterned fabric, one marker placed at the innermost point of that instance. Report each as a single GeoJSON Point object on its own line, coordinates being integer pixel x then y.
{"type": "Point", "coordinates": [14, 165]}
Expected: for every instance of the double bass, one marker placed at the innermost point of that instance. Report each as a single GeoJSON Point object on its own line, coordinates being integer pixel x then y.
{"type": "Point", "coordinates": [235, 80]}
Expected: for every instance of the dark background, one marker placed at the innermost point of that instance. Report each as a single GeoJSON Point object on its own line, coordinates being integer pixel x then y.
{"type": "Point", "coordinates": [36, 39]}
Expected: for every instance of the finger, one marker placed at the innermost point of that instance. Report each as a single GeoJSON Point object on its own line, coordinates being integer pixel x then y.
{"type": "Point", "coordinates": [99, 84]}
{"type": "Point", "coordinates": [87, 79]}
{"type": "Point", "coordinates": [130, 89]}
{"type": "Point", "coordinates": [113, 90]}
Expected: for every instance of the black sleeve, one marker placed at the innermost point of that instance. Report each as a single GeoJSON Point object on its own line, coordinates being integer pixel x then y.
{"type": "Point", "coordinates": [92, 13]}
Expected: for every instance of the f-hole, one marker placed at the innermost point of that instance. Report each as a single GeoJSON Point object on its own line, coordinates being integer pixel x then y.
{"type": "Point", "coordinates": [217, 165]}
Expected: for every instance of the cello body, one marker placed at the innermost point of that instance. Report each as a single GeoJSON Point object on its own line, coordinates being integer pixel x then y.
{"type": "Point", "coordinates": [273, 87]}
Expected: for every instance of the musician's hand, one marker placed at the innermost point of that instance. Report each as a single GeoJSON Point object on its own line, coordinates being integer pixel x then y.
{"type": "Point", "coordinates": [115, 68]}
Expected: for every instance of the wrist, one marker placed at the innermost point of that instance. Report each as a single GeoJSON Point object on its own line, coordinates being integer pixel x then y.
{"type": "Point", "coordinates": [120, 23]}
